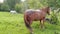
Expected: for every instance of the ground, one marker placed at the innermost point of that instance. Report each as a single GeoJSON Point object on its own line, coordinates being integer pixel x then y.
{"type": "Point", "coordinates": [14, 24]}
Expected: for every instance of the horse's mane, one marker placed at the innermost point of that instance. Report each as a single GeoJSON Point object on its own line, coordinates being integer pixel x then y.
{"type": "Point", "coordinates": [45, 8]}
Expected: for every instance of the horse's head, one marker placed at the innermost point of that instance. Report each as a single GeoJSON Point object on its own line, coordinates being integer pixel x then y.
{"type": "Point", "coordinates": [48, 10]}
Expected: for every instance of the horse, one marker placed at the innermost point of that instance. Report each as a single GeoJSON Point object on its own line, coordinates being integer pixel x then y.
{"type": "Point", "coordinates": [31, 15]}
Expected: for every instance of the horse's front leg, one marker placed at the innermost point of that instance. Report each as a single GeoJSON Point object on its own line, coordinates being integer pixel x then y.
{"type": "Point", "coordinates": [42, 23]}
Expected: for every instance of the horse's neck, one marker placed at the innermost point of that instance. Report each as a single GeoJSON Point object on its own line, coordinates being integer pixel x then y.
{"type": "Point", "coordinates": [44, 10]}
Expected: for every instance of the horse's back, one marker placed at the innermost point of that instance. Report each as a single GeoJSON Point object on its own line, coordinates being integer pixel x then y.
{"type": "Point", "coordinates": [33, 12]}
{"type": "Point", "coordinates": [30, 11]}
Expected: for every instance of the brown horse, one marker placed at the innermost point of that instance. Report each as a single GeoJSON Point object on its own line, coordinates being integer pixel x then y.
{"type": "Point", "coordinates": [34, 15]}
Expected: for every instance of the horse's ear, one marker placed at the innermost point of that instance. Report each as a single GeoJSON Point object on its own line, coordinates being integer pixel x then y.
{"type": "Point", "coordinates": [48, 7]}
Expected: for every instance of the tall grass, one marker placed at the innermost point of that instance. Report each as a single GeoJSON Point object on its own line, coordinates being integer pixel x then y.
{"type": "Point", "coordinates": [14, 24]}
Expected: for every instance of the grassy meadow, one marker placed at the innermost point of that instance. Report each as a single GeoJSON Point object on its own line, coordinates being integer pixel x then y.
{"type": "Point", "coordinates": [14, 24]}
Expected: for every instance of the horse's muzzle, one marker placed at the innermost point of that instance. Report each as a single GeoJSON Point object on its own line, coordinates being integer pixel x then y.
{"type": "Point", "coordinates": [48, 14]}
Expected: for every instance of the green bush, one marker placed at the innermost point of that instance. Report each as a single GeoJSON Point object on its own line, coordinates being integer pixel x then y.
{"type": "Point", "coordinates": [4, 7]}
{"type": "Point", "coordinates": [54, 18]}
{"type": "Point", "coordinates": [18, 8]}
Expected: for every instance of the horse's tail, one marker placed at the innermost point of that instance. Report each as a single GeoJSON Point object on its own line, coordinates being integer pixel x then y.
{"type": "Point", "coordinates": [26, 20]}
{"type": "Point", "coordinates": [27, 23]}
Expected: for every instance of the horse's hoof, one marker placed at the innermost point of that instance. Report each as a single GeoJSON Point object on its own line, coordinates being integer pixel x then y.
{"type": "Point", "coordinates": [31, 33]}
{"type": "Point", "coordinates": [42, 27]}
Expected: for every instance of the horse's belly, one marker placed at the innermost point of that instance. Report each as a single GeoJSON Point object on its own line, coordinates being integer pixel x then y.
{"type": "Point", "coordinates": [37, 18]}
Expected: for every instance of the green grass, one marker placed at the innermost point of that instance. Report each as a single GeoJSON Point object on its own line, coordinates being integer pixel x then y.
{"type": "Point", "coordinates": [14, 24]}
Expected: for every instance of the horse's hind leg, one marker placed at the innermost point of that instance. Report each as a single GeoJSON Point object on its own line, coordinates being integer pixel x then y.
{"type": "Point", "coordinates": [31, 31]}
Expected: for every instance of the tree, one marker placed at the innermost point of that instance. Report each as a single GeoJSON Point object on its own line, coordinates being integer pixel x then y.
{"type": "Point", "coordinates": [4, 7]}
{"type": "Point", "coordinates": [18, 8]}
{"type": "Point", "coordinates": [12, 3]}
{"type": "Point", "coordinates": [34, 4]}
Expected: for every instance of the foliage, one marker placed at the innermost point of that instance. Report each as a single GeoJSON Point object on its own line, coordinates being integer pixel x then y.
{"type": "Point", "coordinates": [54, 3]}
{"type": "Point", "coordinates": [12, 3]}
{"type": "Point", "coordinates": [35, 4]}
{"type": "Point", "coordinates": [4, 7]}
{"type": "Point", "coordinates": [54, 18]}
{"type": "Point", "coordinates": [18, 8]}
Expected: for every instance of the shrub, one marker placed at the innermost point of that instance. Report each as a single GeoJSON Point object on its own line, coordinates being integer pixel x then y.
{"type": "Point", "coordinates": [18, 8]}
{"type": "Point", "coordinates": [54, 18]}
{"type": "Point", "coordinates": [4, 7]}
